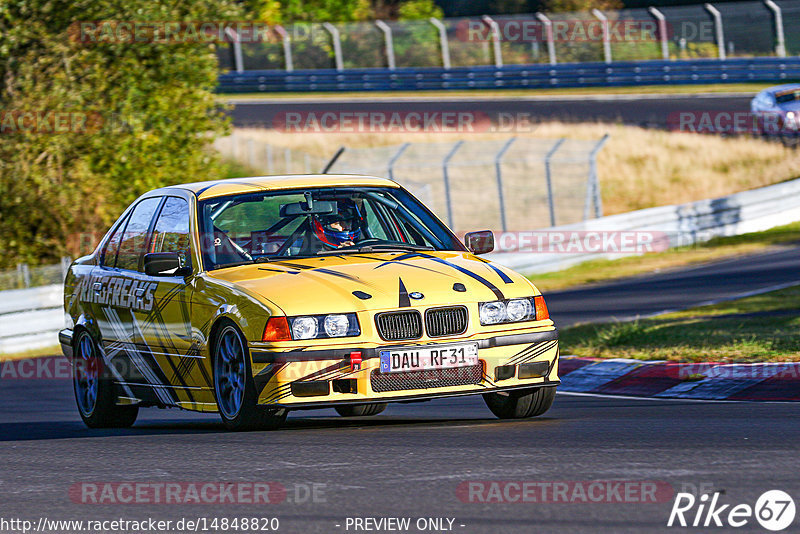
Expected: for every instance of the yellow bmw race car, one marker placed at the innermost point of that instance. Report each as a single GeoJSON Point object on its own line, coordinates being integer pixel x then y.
{"type": "Point", "coordinates": [253, 297]}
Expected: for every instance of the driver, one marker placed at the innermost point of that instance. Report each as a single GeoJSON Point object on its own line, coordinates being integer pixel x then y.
{"type": "Point", "coordinates": [340, 229]}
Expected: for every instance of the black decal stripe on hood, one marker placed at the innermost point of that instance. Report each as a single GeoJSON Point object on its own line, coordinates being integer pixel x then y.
{"type": "Point", "coordinates": [405, 302]}
{"type": "Point", "coordinates": [336, 273]}
{"type": "Point", "coordinates": [479, 278]}
{"type": "Point", "coordinates": [400, 259]}
{"type": "Point", "coordinates": [503, 276]}
{"type": "Point", "coordinates": [278, 271]}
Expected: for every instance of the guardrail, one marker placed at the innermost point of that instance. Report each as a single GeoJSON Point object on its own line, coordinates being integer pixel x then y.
{"type": "Point", "coordinates": [30, 318]}
{"type": "Point", "coordinates": [679, 225]}
{"type": "Point", "coordinates": [699, 71]}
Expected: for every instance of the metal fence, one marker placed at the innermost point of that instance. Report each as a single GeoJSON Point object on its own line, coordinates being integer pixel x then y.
{"type": "Point", "coordinates": [744, 29]}
{"type": "Point", "coordinates": [25, 276]}
{"type": "Point", "coordinates": [518, 183]}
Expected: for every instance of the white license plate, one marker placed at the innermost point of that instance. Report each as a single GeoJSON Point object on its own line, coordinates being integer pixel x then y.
{"type": "Point", "coordinates": [404, 359]}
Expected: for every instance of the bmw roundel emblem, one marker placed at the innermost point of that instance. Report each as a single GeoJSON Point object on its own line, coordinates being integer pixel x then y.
{"type": "Point", "coordinates": [416, 295]}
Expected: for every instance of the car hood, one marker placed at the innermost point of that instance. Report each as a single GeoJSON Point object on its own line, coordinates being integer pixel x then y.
{"type": "Point", "coordinates": [356, 282]}
{"type": "Point", "coordinates": [794, 106]}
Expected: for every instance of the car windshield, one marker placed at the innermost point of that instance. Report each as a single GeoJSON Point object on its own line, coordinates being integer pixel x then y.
{"type": "Point", "coordinates": [788, 96]}
{"type": "Point", "coordinates": [256, 227]}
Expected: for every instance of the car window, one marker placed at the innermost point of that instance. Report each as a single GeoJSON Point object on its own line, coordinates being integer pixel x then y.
{"type": "Point", "coordinates": [171, 232]}
{"type": "Point", "coordinates": [135, 236]}
{"type": "Point", "coordinates": [264, 226]}
{"type": "Point", "coordinates": [109, 255]}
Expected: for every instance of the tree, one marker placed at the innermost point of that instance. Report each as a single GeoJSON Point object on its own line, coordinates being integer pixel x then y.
{"type": "Point", "coordinates": [560, 6]}
{"type": "Point", "coordinates": [143, 115]}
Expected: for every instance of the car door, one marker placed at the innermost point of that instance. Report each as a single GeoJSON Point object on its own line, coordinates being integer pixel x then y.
{"type": "Point", "coordinates": [163, 330]}
{"type": "Point", "coordinates": [128, 294]}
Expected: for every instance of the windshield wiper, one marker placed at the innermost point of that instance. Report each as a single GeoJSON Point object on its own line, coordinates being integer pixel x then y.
{"type": "Point", "coordinates": [233, 264]}
{"type": "Point", "coordinates": [382, 247]}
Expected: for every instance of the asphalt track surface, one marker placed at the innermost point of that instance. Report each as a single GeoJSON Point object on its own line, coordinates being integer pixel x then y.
{"type": "Point", "coordinates": [677, 289]}
{"type": "Point", "coordinates": [410, 460]}
{"type": "Point", "coordinates": [650, 111]}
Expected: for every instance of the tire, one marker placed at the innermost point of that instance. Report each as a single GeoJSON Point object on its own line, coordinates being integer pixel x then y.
{"type": "Point", "coordinates": [95, 395]}
{"type": "Point", "coordinates": [360, 410]}
{"type": "Point", "coordinates": [521, 404]}
{"type": "Point", "coordinates": [234, 388]}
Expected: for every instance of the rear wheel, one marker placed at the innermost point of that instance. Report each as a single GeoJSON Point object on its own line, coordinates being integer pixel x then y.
{"type": "Point", "coordinates": [360, 410]}
{"type": "Point", "coordinates": [521, 403]}
{"type": "Point", "coordinates": [94, 392]}
{"type": "Point", "coordinates": [234, 389]}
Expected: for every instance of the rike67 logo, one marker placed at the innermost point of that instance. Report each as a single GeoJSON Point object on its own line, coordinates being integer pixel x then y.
{"type": "Point", "coordinates": [774, 510]}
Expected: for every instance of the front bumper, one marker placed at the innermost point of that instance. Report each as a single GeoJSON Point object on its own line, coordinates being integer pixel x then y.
{"type": "Point", "coordinates": [328, 377]}
{"type": "Point", "coordinates": [65, 339]}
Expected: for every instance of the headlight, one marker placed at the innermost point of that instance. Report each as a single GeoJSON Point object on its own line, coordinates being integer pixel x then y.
{"type": "Point", "coordinates": [519, 310]}
{"type": "Point", "coordinates": [493, 312]}
{"type": "Point", "coordinates": [513, 311]}
{"type": "Point", "coordinates": [304, 328]}
{"type": "Point", "coordinates": [336, 325]}
{"type": "Point", "coordinates": [325, 326]}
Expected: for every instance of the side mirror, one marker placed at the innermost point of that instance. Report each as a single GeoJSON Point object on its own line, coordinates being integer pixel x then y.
{"type": "Point", "coordinates": [166, 264]}
{"type": "Point", "coordinates": [479, 242]}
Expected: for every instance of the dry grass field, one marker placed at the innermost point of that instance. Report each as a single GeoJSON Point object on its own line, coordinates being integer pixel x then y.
{"type": "Point", "coordinates": [638, 168]}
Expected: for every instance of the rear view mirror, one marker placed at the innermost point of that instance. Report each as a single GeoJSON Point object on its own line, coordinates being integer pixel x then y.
{"type": "Point", "coordinates": [165, 264]}
{"type": "Point", "coordinates": [318, 207]}
{"type": "Point", "coordinates": [479, 242]}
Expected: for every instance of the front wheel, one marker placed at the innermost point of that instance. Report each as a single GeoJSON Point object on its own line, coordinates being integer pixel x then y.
{"type": "Point", "coordinates": [234, 389]}
{"type": "Point", "coordinates": [94, 392]}
{"type": "Point", "coordinates": [521, 403]}
{"type": "Point", "coordinates": [360, 410]}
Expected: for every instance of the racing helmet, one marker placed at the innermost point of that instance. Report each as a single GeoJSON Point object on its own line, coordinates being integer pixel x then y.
{"type": "Point", "coordinates": [340, 227]}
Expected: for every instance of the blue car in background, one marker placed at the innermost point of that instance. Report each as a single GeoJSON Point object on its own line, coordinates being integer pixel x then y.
{"type": "Point", "coordinates": [778, 110]}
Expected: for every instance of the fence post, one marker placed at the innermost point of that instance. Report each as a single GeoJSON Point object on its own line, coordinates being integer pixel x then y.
{"type": "Point", "coordinates": [593, 183]}
{"type": "Point", "coordinates": [238, 61]}
{"type": "Point", "coordinates": [446, 175]}
{"type": "Point", "coordinates": [599, 15]}
{"type": "Point", "coordinates": [388, 43]}
{"type": "Point", "coordinates": [662, 31]}
{"type": "Point", "coordinates": [333, 160]}
{"type": "Point", "coordinates": [445, 46]}
{"type": "Point", "coordinates": [337, 44]}
{"type": "Point", "coordinates": [394, 158]}
{"type": "Point", "coordinates": [287, 47]}
{"type": "Point", "coordinates": [24, 274]}
{"type": "Point", "coordinates": [549, 180]}
{"type": "Point", "coordinates": [270, 162]}
{"type": "Point", "coordinates": [498, 171]}
{"type": "Point", "coordinates": [234, 146]}
{"type": "Point", "coordinates": [287, 159]}
{"type": "Point", "coordinates": [717, 16]}
{"type": "Point", "coordinates": [548, 30]}
{"type": "Point", "coordinates": [496, 50]}
{"type": "Point", "coordinates": [251, 153]}
{"type": "Point", "coordinates": [307, 160]}
{"type": "Point", "coordinates": [780, 42]}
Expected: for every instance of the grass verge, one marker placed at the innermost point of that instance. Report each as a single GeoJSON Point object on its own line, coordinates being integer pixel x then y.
{"type": "Point", "coordinates": [763, 328]}
{"type": "Point", "coordinates": [55, 350]}
{"type": "Point", "coordinates": [718, 248]}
